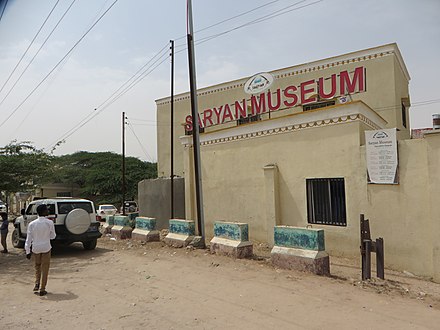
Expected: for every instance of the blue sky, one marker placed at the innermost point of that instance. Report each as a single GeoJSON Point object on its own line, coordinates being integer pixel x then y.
{"type": "Point", "coordinates": [134, 30]}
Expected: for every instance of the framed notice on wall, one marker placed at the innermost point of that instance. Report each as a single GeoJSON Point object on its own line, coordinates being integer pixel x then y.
{"type": "Point", "coordinates": [382, 160]}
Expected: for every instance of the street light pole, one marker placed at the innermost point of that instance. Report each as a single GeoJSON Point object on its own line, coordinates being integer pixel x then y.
{"type": "Point", "coordinates": [123, 163]}
{"type": "Point", "coordinates": [172, 129]}
{"type": "Point", "coordinates": [195, 132]}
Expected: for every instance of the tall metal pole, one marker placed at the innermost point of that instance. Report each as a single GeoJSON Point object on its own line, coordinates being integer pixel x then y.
{"type": "Point", "coordinates": [172, 129]}
{"type": "Point", "coordinates": [195, 118]}
{"type": "Point", "coordinates": [123, 163]}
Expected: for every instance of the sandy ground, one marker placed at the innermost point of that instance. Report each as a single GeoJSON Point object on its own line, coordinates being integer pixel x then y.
{"type": "Point", "coordinates": [127, 285]}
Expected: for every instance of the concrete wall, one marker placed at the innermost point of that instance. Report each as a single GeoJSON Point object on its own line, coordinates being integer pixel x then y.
{"type": "Point", "coordinates": [235, 189]}
{"type": "Point", "coordinates": [154, 198]}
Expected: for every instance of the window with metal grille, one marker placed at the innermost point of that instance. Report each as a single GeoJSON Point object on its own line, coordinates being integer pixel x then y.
{"type": "Point", "coordinates": [326, 201]}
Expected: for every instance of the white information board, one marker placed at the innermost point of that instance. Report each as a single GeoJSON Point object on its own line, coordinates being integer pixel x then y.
{"type": "Point", "coordinates": [382, 160]}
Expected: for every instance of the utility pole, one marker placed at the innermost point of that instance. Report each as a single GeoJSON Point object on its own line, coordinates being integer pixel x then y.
{"type": "Point", "coordinates": [195, 132]}
{"type": "Point", "coordinates": [172, 129]}
{"type": "Point", "coordinates": [123, 163]}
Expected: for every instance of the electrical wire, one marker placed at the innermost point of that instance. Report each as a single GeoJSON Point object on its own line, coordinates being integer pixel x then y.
{"type": "Point", "coordinates": [58, 71]}
{"type": "Point", "coordinates": [3, 10]}
{"type": "Point", "coordinates": [139, 141]}
{"type": "Point", "coordinates": [38, 51]}
{"type": "Point", "coordinates": [135, 74]}
{"type": "Point", "coordinates": [53, 69]}
{"type": "Point", "coordinates": [31, 43]}
{"type": "Point", "coordinates": [104, 105]}
{"type": "Point", "coordinates": [95, 112]}
{"type": "Point", "coordinates": [123, 90]}
{"type": "Point", "coordinates": [258, 20]}
{"type": "Point", "coordinates": [230, 19]}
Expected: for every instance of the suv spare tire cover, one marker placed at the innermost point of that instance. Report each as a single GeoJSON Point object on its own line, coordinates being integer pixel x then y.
{"type": "Point", "coordinates": [77, 221]}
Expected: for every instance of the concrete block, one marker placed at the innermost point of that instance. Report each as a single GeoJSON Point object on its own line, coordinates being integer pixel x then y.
{"type": "Point", "coordinates": [232, 230]}
{"type": "Point", "coordinates": [231, 247]}
{"type": "Point", "coordinates": [121, 220]}
{"type": "Point", "coordinates": [181, 232]}
{"type": "Point", "coordinates": [298, 237]}
{"type": "Point", "coordinates": [145, 230]}
{"type": "Point", "coordinates": [300, 249]}
{"type": "Point", "coordinates": [122, 228]}
{"type": "Point", "coordinates": [231, 238]}
{"type": "Point", "coordinates": [316, 262]}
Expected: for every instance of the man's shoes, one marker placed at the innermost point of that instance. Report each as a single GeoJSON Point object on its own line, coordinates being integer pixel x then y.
{"type": "Point", "coordinates": [4, 251]}
{"type": "Point", "coordinates": [43, 293]}
{"type": "Point", "coordinates": [37, 287]}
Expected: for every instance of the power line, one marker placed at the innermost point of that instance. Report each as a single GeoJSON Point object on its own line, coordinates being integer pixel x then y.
{"type": "Point", "coordinates": [31, 43]}
{"type": "Point", "coordinates": [109, 101]}
{"type": "Point", "coordinates": [123, 90]}
{"type": "Point", "coordinates": [135, 74]}
{"type": "Point", "coordinates": [4, 7]}
{"type": "Point", "coordinates": [53, 69]}
{"type": "Point", "coordinates": [139, 141]}
{"type": "Point", "coordinates": [230, 19]}
{"type": "Point", "coordinates": [259, 20]}
{"type": "Point", "coordinates": [266, 17]}
{"type": "Point", "coordinates": [38, 51]}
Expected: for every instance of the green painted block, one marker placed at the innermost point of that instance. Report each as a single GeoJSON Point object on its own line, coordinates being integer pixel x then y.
{"type": "Point", "coordinates": [183, 227]}
{"type": "Point", "coordinates": [232, 230]}
{"type": "Point", "coordinates": [145, 223]}
{"type": "Point", "coordinates": [301, 238]}
{"type": "Point", "coordinates": [122, 220]}
{"type": "Point", "coordinates": [110, 220]}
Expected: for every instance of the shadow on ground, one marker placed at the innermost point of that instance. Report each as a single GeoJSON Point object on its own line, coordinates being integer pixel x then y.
{"type": "Point", "coordinates": [15, 264]}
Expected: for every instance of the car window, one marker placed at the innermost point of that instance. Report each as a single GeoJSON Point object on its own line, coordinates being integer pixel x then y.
{"type": "Point", "coordinates": [66, 207]}
{"type": "Point", "coordinates": [108, 207]}
{"type": "Point", "coordinates": [51, 208]}
{"type": "Point", "coordinates": [30, 208]}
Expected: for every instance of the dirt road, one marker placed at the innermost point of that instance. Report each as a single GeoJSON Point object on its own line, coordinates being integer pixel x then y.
{"type": "Point", "coordinates": [125, 285]}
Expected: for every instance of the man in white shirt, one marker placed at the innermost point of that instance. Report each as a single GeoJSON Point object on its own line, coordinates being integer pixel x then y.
{"type": "Point", "coordinates": [39, 234]}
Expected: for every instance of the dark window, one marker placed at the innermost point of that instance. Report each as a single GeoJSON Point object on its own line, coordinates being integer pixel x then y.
{"type": "Point", "coordinates": [403, 115]}
{"type": "Point", "coordinates": [30, 208]}
{"type": "Point", "coordinates": [51, 208]}
{"type": "Point", "coordinates": [318, 105]}
{"type": "Point", "coordinates": [66, 207]}
{"type": "Point", "coordinates": [64, 194]}
{"type": "Point", "coordinates": [326, 201]}
{"type": "Point", "coordinates": [249, 119]}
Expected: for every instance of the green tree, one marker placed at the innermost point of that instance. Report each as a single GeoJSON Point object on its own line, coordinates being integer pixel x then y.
{"type": "Point", "coordinates": [99, 174]}
{"type": "Point", "coordinates": [23, 167]}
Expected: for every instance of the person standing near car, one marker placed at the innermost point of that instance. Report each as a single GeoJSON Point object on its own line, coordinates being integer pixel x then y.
{"type": "Point", "coordinates": [4, 231]}
{"type": "Point", "coordinates": [39, 234]}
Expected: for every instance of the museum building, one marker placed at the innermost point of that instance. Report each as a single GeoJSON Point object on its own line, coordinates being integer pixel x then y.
{"type": "Point", "coordinates": [315, 144]}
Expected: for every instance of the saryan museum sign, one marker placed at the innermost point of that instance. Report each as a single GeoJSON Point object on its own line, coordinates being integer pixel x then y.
{"type": "Point", "coordinates": [262, 99]}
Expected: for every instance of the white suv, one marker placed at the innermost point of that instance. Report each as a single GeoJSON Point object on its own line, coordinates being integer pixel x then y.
{"type": "Point", "coordinates": [75, 221]}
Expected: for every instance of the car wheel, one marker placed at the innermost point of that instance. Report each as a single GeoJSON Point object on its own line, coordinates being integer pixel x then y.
{"type": "Point", "coordinates": [16, 242]}
{"type": "Point", "coordinates": [90, 245]}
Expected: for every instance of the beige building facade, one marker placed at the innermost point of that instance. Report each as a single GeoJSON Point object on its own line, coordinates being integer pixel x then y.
{"type": "Point", "coordinates": [295, 154]}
